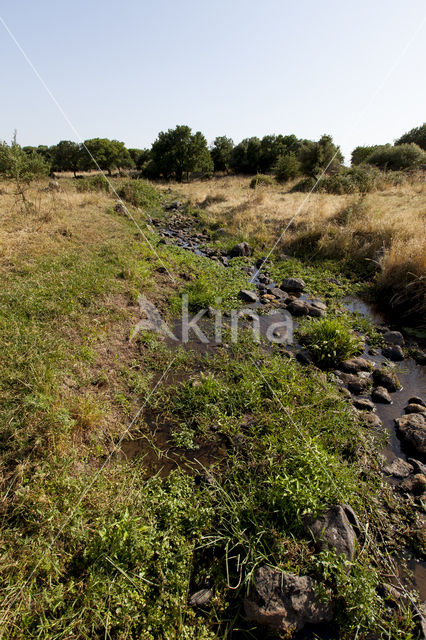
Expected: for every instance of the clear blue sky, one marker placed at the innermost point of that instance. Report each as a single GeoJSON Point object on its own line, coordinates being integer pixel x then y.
{"type": "Point", "coordinates": [130, 69]}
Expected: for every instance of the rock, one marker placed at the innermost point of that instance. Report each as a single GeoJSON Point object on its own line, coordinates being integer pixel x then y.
{"type": "Point", "coordinates": [304, 357]}
{"type": "Point", "coordinates": [173, 206]}
{"type": "Point", "coordinates": [345, 392]}
{"type": "Point", "coordinates": [399, 468]}
{"type": "Point", "coordinates": [241, 249]}
{"type": "Point", "coordinates": [297, 308]}
{"type": "Point", "coordinates": [371, 420]}
{"type": "Point", "coordinates": [353, 365]}
{"type": "Point", "coordinates": [334, 530]}
{"type": "Point", "coordinates": [380, 394]}
{"type": "Point", "coordinates": [278, 293]}
{"type": "Point", "coordinates": [393, 352]}
{"type": "Point", "coordinates": [363, 404]}
{"type": "Point", "coordinates": [412, 429]}
{"type": "Point", "coordinates": [354, 383]}
{"type": "Point", "coordinates": [387, 379]}
{"type": "Point", "coordinates": [285, 602]}
{"type": "Point", "coordinates": [201, 598]}
{"type": "Point", "coordinates": [393, 337]}
{"type": "Point", "coordinates": [247, 296]}
{"type": "Point", "coordinates": [293, 284]}
{"type": "Point", "coordinates": [314, 312]}
{"type": "Point", "coordinates": [419, 356]}
{"type": "Point", "coordinates": [419, 467]}
{"type": "Point", "coordinates": [120, 208]}
{"type": "Point", "coordinates": [416, 400]}
{"type": "Point", "coordinates": [415, 408]}
{"type": "Point", "coordinates": [318, 304]}
{"type": "Point", "coordinates": [416, 484]}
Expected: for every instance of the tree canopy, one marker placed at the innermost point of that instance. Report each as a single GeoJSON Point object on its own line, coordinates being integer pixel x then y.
{"type": "Point", "coordinates": [178, 151]}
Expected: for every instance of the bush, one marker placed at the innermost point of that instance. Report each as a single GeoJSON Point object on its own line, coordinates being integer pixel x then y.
{"type": "Point", "coordinates": [417, 135]}
{"type": "Point", "coordinates": [287, 167]}
{"type": "Point", "coordinates": [93, 183]}
{"type": "Point", "coordinates": [359, 179]}
{"type": "Point", "coordinates": [400, 157]}
{"type": "Point", "coordinates": [261, 180]}
{"type": "Point", "coordinates": [330, 341]}
{"type": "Point", "coordinates": [140, 193]}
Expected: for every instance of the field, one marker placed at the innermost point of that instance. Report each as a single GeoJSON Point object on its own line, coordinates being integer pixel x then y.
{"type": "Point", "coordinates": [234, 444]}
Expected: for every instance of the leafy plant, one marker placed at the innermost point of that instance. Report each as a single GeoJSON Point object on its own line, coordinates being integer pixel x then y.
{"type": "Point", "coordinates": [330, 340]}
{"type": "Point", "coordinates": [261, 180]}
{"type": "Point", "coordinates": [21, 167]}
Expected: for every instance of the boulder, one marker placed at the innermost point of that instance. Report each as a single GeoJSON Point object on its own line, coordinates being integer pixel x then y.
{"type": "Point", "coordinates": [278, 293]}
{"type": "Point", "coordinates": [363, 404]}
{"type": "Point", "coordinates": [297, 308]}
{"type": "Point", "coordinates": [380, 394]}
{"type": "Point", "coordinates": [247, 296]}
{"type": "Point", "coordinates": [393, 352]}
{"type": "Point", "coordinates": [314, 312]}
{"type": "Point", "coordinates": [354, 383]}
{"type": "Point", "coordinates": [370, 419]}
{"type": "Point", "coordinates": [353, 365]}
{"type": "Point", "coordinates": [387, 379]}
{"type": "Point", "coordinates": [318, 304]}
{"type": "Point", "coordinates": [285, 602]}
{"type": "Point", "coordinates": [334, 530]}
{"type": "Point", "coordinates": [393, 337]}
{"type": "Point", "coordinates": [241, 249]}
{"type": "Point", "coordinates": [419, 356]}
{"type": "Point", "coordinates": [419, 467]}
{"type": "Point", "coordinates": [412, 429]}
{"type": "Point", "coordinates": [398, 468]}
{"type": "Point", "coordinates": [415, 408]}
{"type": "Point", "coordinates": [293, 284]}
{"type": "Point", "coordinates": [417, 400]}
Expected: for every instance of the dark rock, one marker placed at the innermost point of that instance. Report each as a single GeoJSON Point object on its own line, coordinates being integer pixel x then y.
{"type": "Point", "coordinates": [297, 308]}
{"type": "Point", "coordinates": [419, 356]}
{"type": "Point", "coordinates": [334, 530]}
{"type": "Point", "coordinates": [293, 284]}
{"type": "Point", "coordinates": [285, 602]}
{"type": "Point", "coordinates": [380, 394]}
{"type": "Point", "coordinates": [314, 312]}
{"type": "Point", "coordinates": [387, 379]}
{"type": "Point", "coordinates": [419, 467]}
{"type": "Point", "coordinates": [120, 208]}
{"type": "Point", "coordinates": [201, 598]}
{"type": "Point", "coordinates": [363, 404]}
{"type": "Point", "coordinates": [247, 296]}
{"type": "Point", "coordinates": [415, 484]}
{"type": "Point", "coordinates": [398, 468]}
{"type": "Point", "coordinates": [241, 249]}
{"type": "Point", "coordinates": [304, 357]}
{"type": "Point", "coordinates": [354, 383]}
{"type": "Point", "coordinates": [371, 420]}
{"type": "Point", "coordinates": [417, 400]}
{"type": "Point", "coordinates": [393, 352]}
{"type": "Point", "coordinates": [318, 304]}
{"type": "Point", "coordinates": [393, 337]}
{"type": "Point", "coordinates": [412, 429]}
{"type": "Point", "coordinates": [353, 365]}
{"type": "Point", "coordinates": [278, 293]}
{"type": "Point", "coordinates": [415, 408]}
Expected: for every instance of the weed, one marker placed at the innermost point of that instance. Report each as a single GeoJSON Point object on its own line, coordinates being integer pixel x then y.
{"type": "Point", "coordinates": [330, 341]}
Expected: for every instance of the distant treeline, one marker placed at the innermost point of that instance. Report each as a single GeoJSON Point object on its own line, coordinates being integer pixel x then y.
{"type": "Point", "coordinates": [178, 153]}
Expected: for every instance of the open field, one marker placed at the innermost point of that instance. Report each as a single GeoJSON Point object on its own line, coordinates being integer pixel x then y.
{"type": "Point", "coordinates": [235, 444]}
{"type": "Point", "coordinates": [380, 234]}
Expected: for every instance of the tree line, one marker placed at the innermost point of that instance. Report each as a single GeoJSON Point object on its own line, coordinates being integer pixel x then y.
{"type": "Point", "coordinates": [179, 153]}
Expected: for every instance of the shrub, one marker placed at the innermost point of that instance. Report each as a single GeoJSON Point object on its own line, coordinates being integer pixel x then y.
{"type": "Point", "coordinates": [417, 135]}
{"type": "Point", "coordinates": [261, 180]}
{"type": "Point", "coordinates": [359, 179]}
{"type": "Point", "coordinates": [287, 167]}
{"type": "Point", "coordinates": [330, 340]}
{"type": "Point", "coordinates": [140, 193]}
{"type": "Point", "coordinates": [93, 183]}
{"type": "Point", "coordinates": [402, 156]}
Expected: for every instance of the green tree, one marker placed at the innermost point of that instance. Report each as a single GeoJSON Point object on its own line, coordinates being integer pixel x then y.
{"type": "Point", "coordinates": [318, 157]}
{"type": "Point", "coordinates": [287, 167]}
{"type": "Point", "coordinates": [178, 151]}
{"type": "Point", "coordinates": [106, 154]}
{"type": "Point", "coordinates": [140, 157]}
{"type": "Point", "coordinates": [67, 156]}
{"type": "Point", "coordinates": [21, 167]}
{"type": "Point", "coordinates": [274, 147]}
{"type": "Point", "coordinates": [400, 157]}
{"type": "Point", "coordinates": [221, 152]}
{"type": "Point", "coordinates": [361, 154]}
{"type": "Point", "coordinates": [416, 135]}
{"type": "Point", "coordinates": [245, 156]}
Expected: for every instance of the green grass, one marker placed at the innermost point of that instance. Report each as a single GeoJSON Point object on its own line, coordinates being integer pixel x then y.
{"type": "Point", "coordinates": [330, 341]}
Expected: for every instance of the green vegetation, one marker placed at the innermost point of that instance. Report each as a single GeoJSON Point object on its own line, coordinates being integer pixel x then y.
{"type": "Point", "coordinates": [21, 167]}
{"type": "Point", "coordinates": [416, 135]}
{"type": "Point", "coordinates": [330, 341]}
{"type": "Point", "coordinates": [402, 156]}
{"type": "Point", "coordinates": [177, 152]}
{"type": "Point", "coordinates": [261, 180]}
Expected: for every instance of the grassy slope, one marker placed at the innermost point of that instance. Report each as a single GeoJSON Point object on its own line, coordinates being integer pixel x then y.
{"type": "Point", "coordinates": [113, 551]}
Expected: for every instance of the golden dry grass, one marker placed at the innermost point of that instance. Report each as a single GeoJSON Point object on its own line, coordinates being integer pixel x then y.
{"type": "Point", "coordinates": [388, 227]}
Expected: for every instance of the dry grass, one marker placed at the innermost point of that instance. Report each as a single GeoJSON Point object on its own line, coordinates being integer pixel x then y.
{"type": "Point", "coordinates": [387, 227]}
